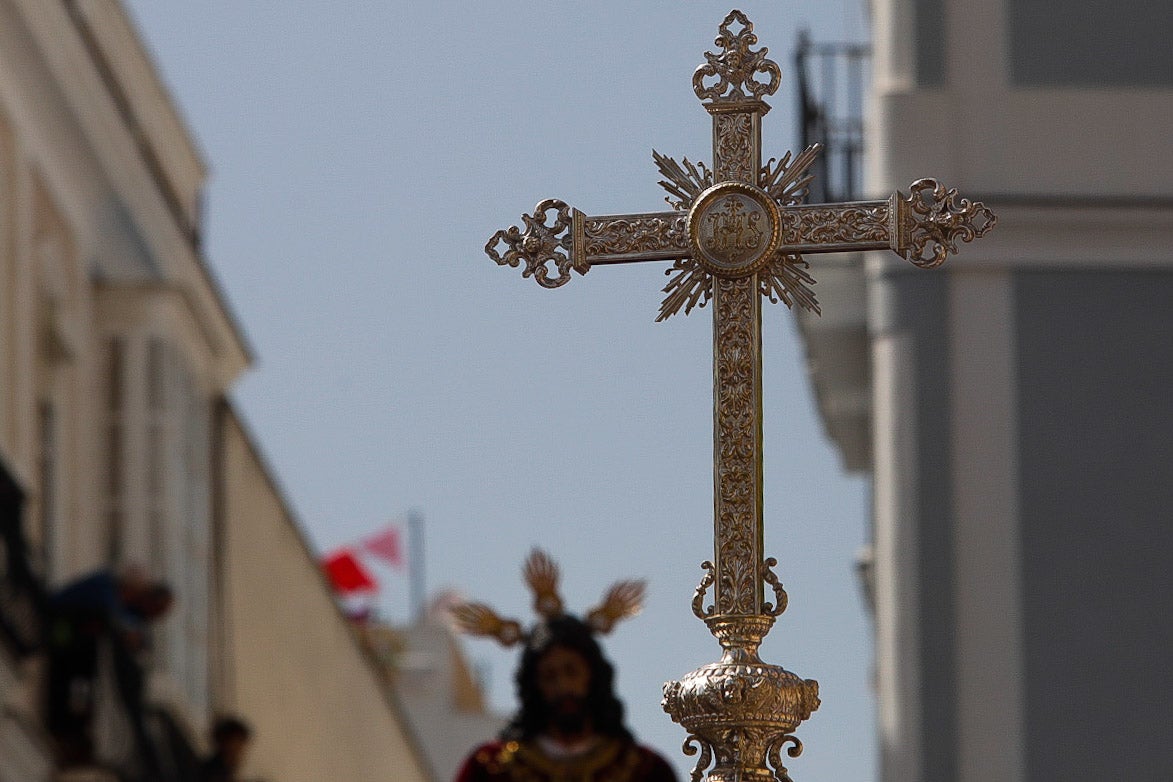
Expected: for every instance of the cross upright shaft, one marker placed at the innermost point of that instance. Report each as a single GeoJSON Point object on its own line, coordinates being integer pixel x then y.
{"type": "Point", "coordinates": [737, 234]}
{"type": "Point", "coordinates": [737, 386]}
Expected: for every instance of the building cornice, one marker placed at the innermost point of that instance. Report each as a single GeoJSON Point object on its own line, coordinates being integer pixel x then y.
{"type": "Point", "coordinates": [119, 91]}
{"type": "Point", "coordinates": [114, 144]}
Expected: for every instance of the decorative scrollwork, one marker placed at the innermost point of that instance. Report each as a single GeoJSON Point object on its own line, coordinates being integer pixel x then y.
{"type": "Point", "coordinates": [539, 245]}
{"type": "Point", "coordinates": [739, 713]}
{"type": "Point", "coordinates": [774, 755]}
{"type": "Point", "coordinates": [698, 599]}
{"type": "Point", "coordinates": [936, 220]}
{"type": "Point", "coordinates": [728, 694]}
{"type": "Point", "coordinates": [780, 597]}
{"type": "Point", "coordinates": [737, 353]}
{"type": "Point", "coordinates": [736, 66]}
{"type": "Point", "coordinates": [836, 225]}
{"type": "Point", "coordinates": [734, 145]}
{"type": "Point", "coordinates": [636, 235]}
{"type": "Point", "coordinates": [691, 743]}
{"type": "Point", "coordinates": [745, 711]}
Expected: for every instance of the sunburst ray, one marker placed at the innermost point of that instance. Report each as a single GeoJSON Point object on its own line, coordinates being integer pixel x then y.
{"type": "Point", "coordinates": [685, 181]}
{"type": "Point", "coordinates": [787, 182]}
{"type": "Point", "coordinates": [691, 286]}
{"type": "Point", "coordinates": [786, 280]}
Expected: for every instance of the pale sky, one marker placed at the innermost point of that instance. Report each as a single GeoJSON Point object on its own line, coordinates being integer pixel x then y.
{"type": "Point", "coordinates": [362, 153]}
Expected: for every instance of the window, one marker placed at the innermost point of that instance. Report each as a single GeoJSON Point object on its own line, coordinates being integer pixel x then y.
{"type": "Point", "coordinates": [178, 514]}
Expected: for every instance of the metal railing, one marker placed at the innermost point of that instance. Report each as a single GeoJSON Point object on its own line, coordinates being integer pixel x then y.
{"type": "Point", "coordinates": [123, 733]}
{"type": "Point", "coordinates": [22, 594]}
{"type": "Point", "coordinates": [832, 79]}
{"type": "Point", "coordinates": [131, 739]}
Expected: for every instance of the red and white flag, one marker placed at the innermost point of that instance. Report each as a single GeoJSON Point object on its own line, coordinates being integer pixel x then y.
{"type": "Point", "coordinates": [387, 545]}
{"type": "Point", "coordinates": [347, 574]}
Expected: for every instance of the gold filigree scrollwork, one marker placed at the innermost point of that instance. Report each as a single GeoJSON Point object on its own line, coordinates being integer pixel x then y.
{"type": "Point", "coordinates": [690, 748]}
{"type": "Point", "coordinates": [788, 182]}
{"type": "Point", "coordinates": [690, 286]}
{"type": "Point", "coordinates": [935, 220]}
{"type": "Point", "coordinates": [540, 244]}
{"type": "Point", "coordinates": [836, 225]}
{"type": "Point", "coordinates": [635, 235]}
{"type": "Point", "coordinates": [734, 149]}
{"type": "Point", "coordinates": [746, 711]}
{"type": "Point", "coordinates": [786, 279]}
{"type": "Point", "coordinates": [684, 182]}
{"type": "Point", "coordinates": [736, 67]}
{"type": "Point", "coordinates": [774, 755]}
{"type": "Point", "coordinates": [780, 598]}
{"type": "Point", "coordinates": [736, 360]}
{"type": "Point", "coordinates": [739, 713]}
{"type": "Point", "coordinates": [698, 598]}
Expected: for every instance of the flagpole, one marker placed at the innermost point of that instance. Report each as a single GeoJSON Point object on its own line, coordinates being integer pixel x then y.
{"type": "Point", "coordinates": [415, 562]}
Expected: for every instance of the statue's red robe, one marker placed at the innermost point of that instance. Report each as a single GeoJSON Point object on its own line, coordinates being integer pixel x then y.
{"type": "Point", "coordinates": [611, 760]}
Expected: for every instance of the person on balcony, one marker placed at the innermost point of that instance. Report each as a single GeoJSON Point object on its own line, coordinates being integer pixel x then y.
{"type": "Point", "coordinates": [230, 738]}
{"type": "Point", "coordinates": [99, 607]}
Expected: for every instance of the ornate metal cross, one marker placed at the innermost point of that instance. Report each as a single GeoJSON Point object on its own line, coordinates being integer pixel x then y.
{"type": "Point", "coordinates": [738, 233]}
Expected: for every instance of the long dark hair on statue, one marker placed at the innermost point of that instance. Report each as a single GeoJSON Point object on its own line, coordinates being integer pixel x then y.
{"type": "Point", "coordinates": [604, 709]}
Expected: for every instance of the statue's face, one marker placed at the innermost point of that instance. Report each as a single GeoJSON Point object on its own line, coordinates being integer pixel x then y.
{"type": "Point", "coordinates": [562, 673]}
{"type": "Point", "coordinates": [564, 680]}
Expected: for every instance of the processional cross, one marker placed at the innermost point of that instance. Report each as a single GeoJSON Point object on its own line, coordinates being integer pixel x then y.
{"type": "Point", "coordinates": [738, 233]}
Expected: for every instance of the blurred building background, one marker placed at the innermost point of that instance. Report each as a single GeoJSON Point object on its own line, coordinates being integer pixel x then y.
{"type": "Point", "coordinates": [442, 693]}
{"type": "Point", "coordinates": [1013, 407]}
{"type": "Point", "coordinates": [118, 447]}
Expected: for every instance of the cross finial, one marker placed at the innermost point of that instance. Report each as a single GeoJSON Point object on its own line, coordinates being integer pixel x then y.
{"type": "Point", "coordinates": [736, 66]}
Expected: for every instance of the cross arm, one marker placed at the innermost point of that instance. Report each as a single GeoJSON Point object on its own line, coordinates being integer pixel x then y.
{"type": "Point", "coordinates": [923, 227]}
{"type": "Point", "coordinates": [558, 239]}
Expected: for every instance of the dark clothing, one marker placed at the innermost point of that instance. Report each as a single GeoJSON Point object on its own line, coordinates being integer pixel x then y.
{"type": "Point", "coordinates": [97, 594]}
{"type": "Point", "coordinates": [82, 616]}
{"type": "Point", "coordinates": [214, 769]}
{"type": "Point", "coordinates": [611, 760]}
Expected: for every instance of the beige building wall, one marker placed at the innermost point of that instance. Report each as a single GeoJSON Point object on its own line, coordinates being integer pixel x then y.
{"type": "Point", "coordinates": [317, 701]}
{"type": "Point", "coordinates": [116, 346]}
{"type": "Point", "coordinates": [100, 269]}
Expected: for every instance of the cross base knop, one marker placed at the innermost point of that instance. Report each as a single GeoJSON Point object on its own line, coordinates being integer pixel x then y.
{"type": "Point", "coordinates": [741, 709]}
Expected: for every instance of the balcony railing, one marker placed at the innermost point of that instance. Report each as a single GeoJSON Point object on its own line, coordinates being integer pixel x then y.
{"type": "Point", "coordinates": [832, 78]}
{"type": "Point", "coordinates": [22, 594]}
{"type": "Point", "coordinates": [123, 735]}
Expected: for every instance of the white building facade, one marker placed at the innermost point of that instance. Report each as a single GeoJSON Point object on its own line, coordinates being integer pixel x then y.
{"type": "Point", "coordinates": [1013, 405]}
